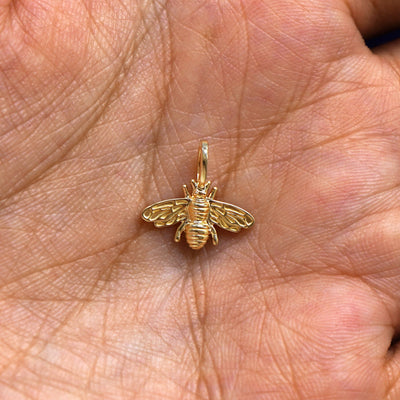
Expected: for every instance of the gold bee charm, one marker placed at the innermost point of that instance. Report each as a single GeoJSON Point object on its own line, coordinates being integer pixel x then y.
{"type": "Point", "coordinates": [198, 212]}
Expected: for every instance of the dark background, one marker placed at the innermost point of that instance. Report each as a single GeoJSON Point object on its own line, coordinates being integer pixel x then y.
{"type": "Point", "coordinates": [387, 37]}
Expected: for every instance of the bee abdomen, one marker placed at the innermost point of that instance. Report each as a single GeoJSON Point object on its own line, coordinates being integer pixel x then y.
{"type": "Point", "coordinates": [197, 234]}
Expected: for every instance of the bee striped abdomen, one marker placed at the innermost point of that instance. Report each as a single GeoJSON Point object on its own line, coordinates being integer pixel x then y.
{"type": "Point", "coordinates": [197, 229]}
{"type": "Point", "coordinates": [197, 234]}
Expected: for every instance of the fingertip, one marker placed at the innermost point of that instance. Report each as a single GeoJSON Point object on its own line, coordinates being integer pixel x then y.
{"type": "Point", "coordinates": [374, 17]}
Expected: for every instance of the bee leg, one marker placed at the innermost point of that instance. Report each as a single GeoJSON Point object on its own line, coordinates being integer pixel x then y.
{"type": "Point", "coordinates": [212, 194]}
{"type": "Point", "coordinates": [185, 191]}
{"type": "Point", "coordinates": [214, 235]}
{"type": "Point", "coordinates": [179, 231]}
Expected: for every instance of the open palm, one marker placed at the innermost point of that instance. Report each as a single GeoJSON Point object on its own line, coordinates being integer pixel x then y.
{"type": "Point", "coordinates": [103, 105]}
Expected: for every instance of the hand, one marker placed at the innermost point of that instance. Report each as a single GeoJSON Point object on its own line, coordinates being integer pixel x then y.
{"type": "Point", "coordinates": [103, 106]}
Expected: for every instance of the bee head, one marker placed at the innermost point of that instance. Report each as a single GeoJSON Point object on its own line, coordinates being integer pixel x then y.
{"type": "Point", "coordinates": [198, 189]}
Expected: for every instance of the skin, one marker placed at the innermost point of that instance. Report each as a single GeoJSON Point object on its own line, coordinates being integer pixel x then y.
{"type": "Point", "coordinates": [103, 104]}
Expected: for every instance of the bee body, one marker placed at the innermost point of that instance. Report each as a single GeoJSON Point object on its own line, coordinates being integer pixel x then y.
{"type": "Point", "coordinates": [197, 226]}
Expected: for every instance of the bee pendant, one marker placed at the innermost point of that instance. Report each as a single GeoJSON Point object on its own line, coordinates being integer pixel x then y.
{"type": "Point", "coordinates": [198, 212]}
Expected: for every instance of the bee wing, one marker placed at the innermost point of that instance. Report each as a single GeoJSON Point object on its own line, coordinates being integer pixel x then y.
{"type": "Point", "coordinates": [166, 212]}
{"type": "Point", "coordinates": [230, 217]}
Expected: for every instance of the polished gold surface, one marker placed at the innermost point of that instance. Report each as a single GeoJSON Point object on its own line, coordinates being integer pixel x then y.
{"type": "Point", "coordinates": [202, 161]}
{"type": "Point", "coordinates": [198, 212]}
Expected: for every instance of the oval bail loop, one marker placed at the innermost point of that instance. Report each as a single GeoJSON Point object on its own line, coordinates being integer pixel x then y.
{"type": "Point", "coordinates": [202, 163]}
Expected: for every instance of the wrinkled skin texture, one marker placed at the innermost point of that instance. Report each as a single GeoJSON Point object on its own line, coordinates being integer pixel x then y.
{"type": "Point", "coordinates": [103, 104]}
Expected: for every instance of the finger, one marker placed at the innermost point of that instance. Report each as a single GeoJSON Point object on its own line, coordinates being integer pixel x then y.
{"type": "Point", "coordinates": [392, 380]}
{"type": "Point", "coordinates": [374, 16]}
{"type": "Point", "coordinates": [391, 53]}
